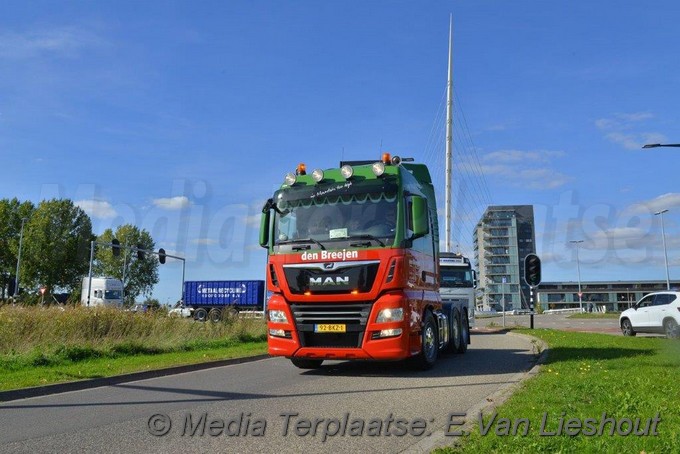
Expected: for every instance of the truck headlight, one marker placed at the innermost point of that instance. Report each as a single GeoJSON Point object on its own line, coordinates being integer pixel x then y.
{"type": "Point", "coordinates": [390, 315]}
{"type": "Point", "coordinates": [277, 316]}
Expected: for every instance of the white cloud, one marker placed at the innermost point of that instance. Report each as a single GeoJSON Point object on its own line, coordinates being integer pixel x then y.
{"type": "Point", "coordinates": [204, 241]}
{"type": "Point", "coordinates": [99, 209]}
{"type": "Point", "coordinates": [620, 129]}
{"type": "Point", "coordinates": [64, 41]}
{"type": "Point", "coordinates": [515, 166]}
{"type": "Point", "coordinates": [172, 203]}
{"type": "Point", "coordinates": [254, 220]}
{"type": "Point", "coordinates": [662, 202]}
{"type": "Point", "coordinates": [637, 116]}
{"type": "Point", "coordinates": [512, 156]}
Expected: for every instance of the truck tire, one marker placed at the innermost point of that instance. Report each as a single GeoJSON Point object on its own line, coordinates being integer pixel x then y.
{"type": "Point", "coordinates": [215, 315]}
{"type": "Point", "coordinates": [455, 330]}
{"type": "Point", "coordinates": [304, 363]}
{"type": "Point", "coordinates": [231, 313]}
{"type": "Point", "coordinates": [201, 314]}
{"type": "Point", "coordinates": [464, 333]}
{"type": "Point", "coordinates": [429, 344]}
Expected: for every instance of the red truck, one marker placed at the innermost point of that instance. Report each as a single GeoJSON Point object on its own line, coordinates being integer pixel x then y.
{"type": "Point", "coordinates": [353, 267]}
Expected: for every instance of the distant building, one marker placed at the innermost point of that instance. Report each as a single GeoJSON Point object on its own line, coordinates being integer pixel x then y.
{"type": "Point", "coordinates": [613, 295]}
{"type": "Point", "coordinates": [502, 239]}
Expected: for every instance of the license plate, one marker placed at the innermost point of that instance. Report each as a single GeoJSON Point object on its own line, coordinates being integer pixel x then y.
{"type": "Point", "coordinates": [328, 328]}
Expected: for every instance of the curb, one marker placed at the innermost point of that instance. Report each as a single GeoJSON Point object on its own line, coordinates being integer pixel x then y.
{"type": "Point", "coordinates": [25, 393]}
{"type": "Point", "coordinates": [440, 440]}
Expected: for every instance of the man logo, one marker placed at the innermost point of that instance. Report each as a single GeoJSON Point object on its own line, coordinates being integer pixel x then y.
{"type": "Point", "coordinates": [329, 265]}
{"type": "Point", "coordinates": [329, 280]}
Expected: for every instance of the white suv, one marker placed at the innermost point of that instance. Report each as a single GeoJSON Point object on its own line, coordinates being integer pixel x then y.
{"type": "Point", "coordinates": [657, 312]}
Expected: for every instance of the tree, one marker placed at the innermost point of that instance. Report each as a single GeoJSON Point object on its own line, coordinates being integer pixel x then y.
{"type": "Point", "coordinates": [11, 213]}
{"type": "Point", "coordinates": [56, 245]}
{"type": "Point", "coordinates": [139, 275]}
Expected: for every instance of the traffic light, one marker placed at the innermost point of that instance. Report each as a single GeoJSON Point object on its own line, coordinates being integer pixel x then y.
{"type": "Point", "coordinates": [140, 252]}
{"type": "Point", "coordinates": [11, 286]}
{"type": "Point", "coordinates": [532, 270]}
{"type": "Point", "coordinates": [161, 255]}
{"type": "Point", "coordinates": [115, 247]}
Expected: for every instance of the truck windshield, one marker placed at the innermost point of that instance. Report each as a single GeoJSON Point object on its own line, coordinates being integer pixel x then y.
{"type": "Point", "coordinates": [347, 217]}
{"type": "Point", "coordinates": [451, 277]}
{"type": "Point", "coordinates": [113, 294]}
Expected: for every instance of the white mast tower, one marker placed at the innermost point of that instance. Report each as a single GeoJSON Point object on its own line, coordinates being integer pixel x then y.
{"type": "Point", "coordinates": [449, 138]}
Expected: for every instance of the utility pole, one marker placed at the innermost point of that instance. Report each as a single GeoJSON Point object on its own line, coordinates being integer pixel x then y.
{"type": "Point", "coordinates": [16, 278]}
{"type": "Point", "coordinates": [665, 254]}
{"type": "Point", "coordinates": [578, 271]}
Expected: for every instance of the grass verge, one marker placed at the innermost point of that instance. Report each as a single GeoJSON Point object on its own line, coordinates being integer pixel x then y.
{"type": "Point", "coordinates": [40, 346]}
{"type": "Point", "coordinates": [589, 377]}
{"type": "Point", "coordinates": [593, 315]}
{"type": "Point", "coordinates": [99, 367]}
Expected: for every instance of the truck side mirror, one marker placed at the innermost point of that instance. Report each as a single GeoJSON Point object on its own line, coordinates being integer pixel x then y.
{"type": "Point", "coordinates": [474, 279]}
{"type": "Point", "coordinates": [419, 216]}
{"type": "Point", "coordinates": [264, 225]}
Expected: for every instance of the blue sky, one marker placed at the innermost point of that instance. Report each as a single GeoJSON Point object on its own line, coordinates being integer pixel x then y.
{"type": "Point", "coordinates": [182, 117]}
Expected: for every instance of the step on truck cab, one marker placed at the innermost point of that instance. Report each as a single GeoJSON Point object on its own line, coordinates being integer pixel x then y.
{"type": "Point", "coordinates": [352, 265]}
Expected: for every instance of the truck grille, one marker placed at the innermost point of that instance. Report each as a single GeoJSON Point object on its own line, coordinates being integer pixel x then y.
{"type": "Point", "coordinates": [342, 278]}
{"type": "Point", "coordinates": [353, 315]}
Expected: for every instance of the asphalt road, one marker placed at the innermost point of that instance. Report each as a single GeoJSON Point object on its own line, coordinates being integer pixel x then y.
{"type": "Point", "coordinates": [360, 407]}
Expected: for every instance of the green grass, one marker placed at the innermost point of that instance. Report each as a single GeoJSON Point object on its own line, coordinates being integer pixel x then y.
{"type": "Point", "coordinates": [41, 346]}
{"type": "Point", "coordinates": [586, 375]}
{"type": "Point", "coordinates": [596, 315]}
{"type": "Point", "coordinates": [98, 367]}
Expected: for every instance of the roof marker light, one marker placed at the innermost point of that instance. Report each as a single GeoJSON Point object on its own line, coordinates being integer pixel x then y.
{"type": "Point", "coordinates": [347, 171]}
{"type": "Point", "coordinates": [378, 168]}
{"type": "Point", "coordinates": [290, 179]}
{"type": "Point", "coordinates": [301, 169]}
{"type": "Point", "coordinates": [386, 158]}
{"type": "Point", "coordinates": [317, 175]}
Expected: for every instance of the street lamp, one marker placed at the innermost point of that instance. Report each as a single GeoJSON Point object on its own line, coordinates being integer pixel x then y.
{"type": "Point", "coordinates": [578, 270]}
{"type": "Point", "coordinates": [21, 238]}
{"type": "Point", "coordinates": [656, 145]}
{"type": "Point", "coordinates": [665, 254]}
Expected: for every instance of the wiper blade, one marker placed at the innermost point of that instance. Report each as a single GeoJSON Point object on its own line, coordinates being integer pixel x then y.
{"type": "Point", "coordinates": [365, 237]}
{"type": "Point", "coordinates": [302, 241]}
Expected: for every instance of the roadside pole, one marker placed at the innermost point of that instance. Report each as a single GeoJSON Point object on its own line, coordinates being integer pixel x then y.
{"type": "Point", "coordinates": [531, 307]}
{"type": "Point", "coordinates": [503, 299]}
{"type": "Point", "coordinates": [89, 274]}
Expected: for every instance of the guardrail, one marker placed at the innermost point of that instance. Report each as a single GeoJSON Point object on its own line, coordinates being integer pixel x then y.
{"type": "Point", "coordinates": [251, 314]}
{"type": "Point", "coordinates": [574, 310]}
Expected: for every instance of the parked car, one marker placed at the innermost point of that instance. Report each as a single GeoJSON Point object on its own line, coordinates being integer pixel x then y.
{"type": "Point", "coordinates": [657, 312]}
{"type": "Point", "coordinates": [180, 310]}
{"type": "Point", "coordinates": [139, 308]}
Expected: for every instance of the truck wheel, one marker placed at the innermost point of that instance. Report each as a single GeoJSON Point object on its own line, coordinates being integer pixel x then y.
{"type": "Point", "coordinates": [304, 363]}
{"type": "Point", "coordinates": [455, 332]}
{"type": "Point", "coordinates": [429, 348]}
{"type": "Point", "coordinates": [464, 333]}
{"type": "Point", "coordinates": [215, 315]}
{"type": "Point", "coordinates": [231, 313]}
{"type": "Point", "coordinates": [201, 314]}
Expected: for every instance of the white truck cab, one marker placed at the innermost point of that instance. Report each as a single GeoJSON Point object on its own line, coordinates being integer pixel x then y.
{"type": "Point", "coordinates": [105, 291]}
{"type": "Point", "coordinates": [458, 282]}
